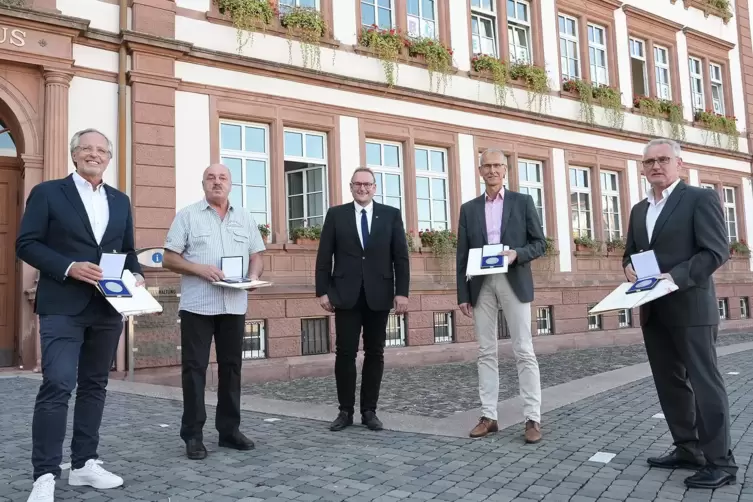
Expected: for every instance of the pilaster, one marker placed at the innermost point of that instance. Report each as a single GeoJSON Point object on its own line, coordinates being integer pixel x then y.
{"type": "Point", "coordinates": [56, 86]}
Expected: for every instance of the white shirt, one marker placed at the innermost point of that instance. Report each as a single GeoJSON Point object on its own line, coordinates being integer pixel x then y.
{"type": "Point", "coordinates": [369, 211]}
{"type": "Point", "coordinates": [96, 205]}
{"type": "Point", "coordinates": [655, 208]}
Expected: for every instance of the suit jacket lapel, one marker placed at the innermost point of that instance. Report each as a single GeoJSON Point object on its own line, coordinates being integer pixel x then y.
{"type": "Point", "coordinates": [669, 206]}
{"type": "Point", "coordinates": [71, 192]}
{"type": "Point", "coordinates": [506, 209]}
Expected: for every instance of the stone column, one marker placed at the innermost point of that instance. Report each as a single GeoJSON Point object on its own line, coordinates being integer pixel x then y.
{"type": "Point", "coordinates": [56, 85]}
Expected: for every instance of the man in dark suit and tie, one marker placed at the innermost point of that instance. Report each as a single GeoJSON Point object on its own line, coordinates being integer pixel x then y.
{"type": "Point", "coordinates": [66, 227]}
{"type": "Point", "coordinates": [371, 275]}
{"type": "Point", "coordinates": [685, 228]}
{"type": "Point", "coordinates": [500, 216]}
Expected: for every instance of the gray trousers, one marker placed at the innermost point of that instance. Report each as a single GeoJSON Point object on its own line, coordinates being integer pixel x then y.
{"type": "Point", "coordinates": [691, 390]}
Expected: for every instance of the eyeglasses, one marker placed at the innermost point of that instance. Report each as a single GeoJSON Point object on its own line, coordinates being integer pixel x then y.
{"type": "Point", "coordinates": [357, 184]}
{"type": "Point", "coordinates": [663, 161]}
{"type": "Point", "coordinates": [488, 167]}
{"type": "Point", "coordinates": [102, 152]}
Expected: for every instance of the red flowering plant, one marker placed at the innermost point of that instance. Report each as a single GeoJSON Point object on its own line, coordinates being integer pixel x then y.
{"type": "Point", "coordinates": [739, 248]}
{"type": "Point", "coordinates": [438, 57]}
{"type": "Point", "coordinates": [264, 230]}
{"type": "Point", "coordinates": [719, 124]}
{"type": "Point", "coordinates": [248, 16]}
{"type": "Point", "coordinates": [387, 45]}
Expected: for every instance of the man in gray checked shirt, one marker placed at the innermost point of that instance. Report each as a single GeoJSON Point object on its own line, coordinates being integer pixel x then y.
{"type": "Point", "coordinates": [199, 237]}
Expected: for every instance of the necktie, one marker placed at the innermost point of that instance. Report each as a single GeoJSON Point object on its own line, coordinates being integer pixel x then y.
{"type": "Point", "coordinates": [364, 228]}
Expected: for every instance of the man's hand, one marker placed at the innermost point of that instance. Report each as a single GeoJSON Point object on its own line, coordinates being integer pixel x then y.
{"type": "Point", "coordinates": [630, 273]}
{"type": "Point", "coordinates": [209, 273]}
{"type": "Point", "coordinates": [466, 309]}
{"type": "Point", "coordinates": [140, 281]}
{"type": "Point", "coordinates": [325, 304]}
{"type": "Point", "coordinates": [85, 271]}
{"type": "Point", "coordinates": [511, 254]}
{"type": "Point", "coordinates": [401, 305]}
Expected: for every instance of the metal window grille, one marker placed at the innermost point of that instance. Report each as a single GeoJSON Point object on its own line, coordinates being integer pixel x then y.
{"type": "Point", "coordinates": [315, 336]}
{"type": "Point", "coordinates": [255, 340]}
{"type": "Point", "coordinates": [594, 321]}
{"type": "Point", "coordinates": [625, 318]}
{"type": "Point", "coordinates": [744, 308]}
{"type": "Point", "coordinates": [443, 332]}
{"type": "Point", "coordinates": [544, 321]}
{"type": "Point", "coordinates": [723, 308]}
{"type": "Point", "coordinates": [502, 330]}
{"type": "Point", "coordinates": [395, 331]}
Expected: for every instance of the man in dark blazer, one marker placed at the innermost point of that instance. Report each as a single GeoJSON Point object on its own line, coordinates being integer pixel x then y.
{"type": "Point", "coordinates": [685, 228]}
{"type": "Point", "coordinates": [371, 275]}
{"type": "Point", "coordinates": [500, 216]}
{"type": "Point", "coordinates": [66, 227]}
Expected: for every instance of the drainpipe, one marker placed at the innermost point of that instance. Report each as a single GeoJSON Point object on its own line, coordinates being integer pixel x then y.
{"type": "Point", "coordinates": [122, 178]}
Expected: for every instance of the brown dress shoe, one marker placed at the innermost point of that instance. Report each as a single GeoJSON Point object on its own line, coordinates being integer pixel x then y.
{"type": "Point", "coordinates": [484, 427]}
{"type": "Point", "coordinates": [533, 432]}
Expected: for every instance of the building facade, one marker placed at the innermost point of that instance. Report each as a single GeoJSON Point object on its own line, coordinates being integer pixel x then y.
{"type": "Point", "coordinates": [570, 90]}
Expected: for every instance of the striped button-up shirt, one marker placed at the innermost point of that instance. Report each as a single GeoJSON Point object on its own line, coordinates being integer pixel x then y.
{"type": "Point", "coordinates": [201, 236]}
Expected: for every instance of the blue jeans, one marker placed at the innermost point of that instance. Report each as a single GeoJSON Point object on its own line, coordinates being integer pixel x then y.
{"type": "Point", "coordinates": [75, 350]}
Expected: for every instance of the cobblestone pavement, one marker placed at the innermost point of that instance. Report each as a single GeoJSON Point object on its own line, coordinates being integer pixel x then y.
{"type": "Point", "coordinates": [439, 391]}
{"type": "Point", "coordinates": [301, 460]}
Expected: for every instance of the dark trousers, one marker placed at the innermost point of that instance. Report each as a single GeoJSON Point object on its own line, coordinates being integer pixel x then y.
{"type": "Point", "coordinates": [196, 333]}
{"type": "Point", "coordinates": [76, 350]}
{"type": "Point", "coordinates": [348, 324]}
{"type": "Point", "coordinates": [691, 390]}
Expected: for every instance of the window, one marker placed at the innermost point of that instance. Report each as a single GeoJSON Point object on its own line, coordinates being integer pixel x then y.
{"type": "Point", "coordinates": [315, 336]}
{"type": "Point", "coordinates": [580, 202]}
{"type": "Point", "coordinates": [696, 85]}
{"type": "Point", "coordinates": [594, 320]}
{"type": "Point", "coordinates": [519, 30]}
{"type": "Point", "coordinates": [503, 331]}
{"type": "Point", "coordinates": [661, 68]}
{"type": "Point", "coordinates": [744, 308]}
{"type": "Point", "coordinates": [377, 12]}
{"type": "Point", "coordinates": [597, 54]}
{"type": "Point", "coordinates": [484, 27]}
{"type": "Point", "coordinates": [286, 5]}
{"type": "Point", "coordinates": [610, 205]}
{"type": "Point", "coordinates": [244, 149]}
{"type": "Point", "coordinates": [7, 144]}
{"type": "Point", "coordinates": [638, 67]}
{"type": "Point", "coordinates": [710, 186]}
{"type": "Point", "coordinates": [531, 182]}
{"type": "Point", "coordinates": [717, 91]}
{"type": "Point", "coordinates": [544, 320]}
{"type": "Point", "coordinates": [254, 340]}
{"type": "Point", "coordinates": [422, 15]}
{"type": "Point", "coordinates": [730, 213]}
{"type": "Point", "coordinates": [645, 186]}
{"type": "Point", "coordinates": [569, 60]}
{"type": "Point", "coordinates": [395, 331]}
{"type": "Point", "coordinates": [723, 308]}
{"type": "Point", "coordinates": [305, 178]}
{"type": "Point", "coordinates": [442, 327]}
{"type": "Point", "coordinates": [431, 188]}
{"type": "Point", "coordinates": [386, 160]}
{"type": "Point", "coordinates": [625, 318]}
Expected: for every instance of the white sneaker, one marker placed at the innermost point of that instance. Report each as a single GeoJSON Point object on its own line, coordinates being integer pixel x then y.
{"type": "Point", "coordinates": [93, 475]}
{"type": "Point", "coordinates": [44, 489]}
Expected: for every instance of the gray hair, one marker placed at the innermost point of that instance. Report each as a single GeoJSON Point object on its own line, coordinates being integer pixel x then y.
{"type": "Point", "coordinates": [664, 141]}
{"type": "Point", "coordinates": [363, 170]}
{"type": "Point", "coordinates": [492, 150]}
{"type": "Point", "coordinates": [77, 138]}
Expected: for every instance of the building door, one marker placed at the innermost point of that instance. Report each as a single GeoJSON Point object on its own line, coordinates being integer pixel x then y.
{"type": "Point", "coordinates": [9, 186]}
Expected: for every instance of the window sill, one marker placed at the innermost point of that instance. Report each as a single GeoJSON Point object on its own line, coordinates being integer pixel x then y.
{"type": "Point", "coordinates": [403, 58]}
{"type": "Point", "coordinates": [486, 77]}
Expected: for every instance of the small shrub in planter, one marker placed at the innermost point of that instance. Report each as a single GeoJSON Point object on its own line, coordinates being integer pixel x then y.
{"type": "Point", "coordinates": [718, 125]}
{"type": "Point", "coordinates": [586, 244]}
{"type": "Point", "coordinates": [549, 250]}
{"type": "Point", "coordinates": [387, 45]}
{"type": "Point", "coordinates": [308, 25]}
{"type": "Point", "coordinates": [438, 58]}
{"type": "Point", "coordinates": [306, 235]}
{"type": "Point", "coordinates": [615, 245]}
{"type": "Point", "coordinates": [739, 248]}
{"type": "Point", "coordinates": [264, 230]}
{"type": "Point", "coordinates": [442, 242]}
{"type": "Point", "coordinates": [535, 79]}
{"type": "Point", "coordinates": [654, 109]}
{"type": "Point", "coordinates": [248, 16]}
{"type": "Point", "coordinates": [483, 63]}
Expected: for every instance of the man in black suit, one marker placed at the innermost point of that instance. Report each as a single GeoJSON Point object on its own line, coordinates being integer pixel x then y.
{"type": "Point", "coordinates": [371, 275]}
{"type": "Point", "coordinates": [500, 216]}
{"type": "Point", "coordinates": [685, 228]}
{"type": "Point", "coordinates": [66, 227]}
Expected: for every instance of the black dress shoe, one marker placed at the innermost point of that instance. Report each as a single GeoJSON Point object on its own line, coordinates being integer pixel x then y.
{"type": "Point", "coordinates": [370, 420]}
{"type": "Point", "coordinates": [342, 421]}
{"type": "Point", "coordinates": [195, 449]}
{"type": "Point", "coordinates": [710, 478]}
{"type": "Point", "coordinates": [237, 441]}
{"type": "Point", "coordinates": [677, 460]}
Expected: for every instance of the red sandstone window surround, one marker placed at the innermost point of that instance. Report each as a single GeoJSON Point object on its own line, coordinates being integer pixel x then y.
{"type": "Point", "coordinates": [708, 63]}
{"type": "Point", "coordinates": [412, 17]}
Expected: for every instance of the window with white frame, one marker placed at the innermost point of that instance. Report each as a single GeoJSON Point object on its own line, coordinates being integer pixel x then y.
{"type": "Point", "coordinates": [254, 340]}
{"type": "Point", "coordinates": [661, 68]}
{"type": "Point", "coordinates": [723, 308]}
{"type": "Point", "coordinates": [484, 27]}
{"type": "Point", "coordinates": [519, 30]}
{"type": "Point", "coordinates": [638, 67]}
{"type": "Point", "coordinates": [378, 12]}
{"type": "Point", "coordinates": [744, 308]}
{"type": "Point", "coordinates": [610, 205]}
{"type": "Point", "coordinates": [730, 213]}
{"type": "Point", "coordinates": [580, 202]}
{"type": "Point", "coordinates": [696, 84]}
{"type": "Point", "coordinates": [597, 54]}
{"type": "Point", "coordinates": [395, 331]}
{"type": "Point", "coordinates": [708, 185]}
{"type": "Point", "coordinates": [717, 88]}
{"type": "Point", "coordinates": [422, 18]}
{"type": "Point", "coordinates": [244, 149]}
{"type": "Point", "coordinates": [569, 54]}
{"type": "Point", "coordinates": [305, 178]}
{"type": "Point", "coordinates": [625, 318]}
{"type": "Point", "coordinates": [432, 193]}
{"type": "Point", "coordinates": [594, 320]}
{"type": "Point", "coordinates": [386, 160]}
{"type": "Point", "coordinates": [286, 5]}
{"type": "Point", "coordinates": [531, 182]}
{"type": "Point", "coordinates": [645, 186]}
{"type": "Point", "coordinates": [544, 320]}
{"type": "Point", "coordinates": [443, 327]}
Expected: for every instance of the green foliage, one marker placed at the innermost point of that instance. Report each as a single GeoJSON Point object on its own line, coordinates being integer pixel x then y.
{"type": "Point", "coordinates": [438, 58]}
{"type": "Point", "coordinates": [387, 45]}
{"type": "Point", "coordinates": [264, 229]}
{"type": "Point", "coordinates": [442, 242]}
{"type": "Point", "coordinates": [549, 250]}
{"type": "Point", "coordinates": [309, 27]}
{"type": "Point", "coordinates": [12, 3]}
{"type": "Point", "coordinates": [587, 242]}
{"type": "Point", "coordinates": [535, 80]}
{"type": "Point", "coordinates": [610, 98]}
{"type": "Point", "coordinates": [248, 16]}
{"type": "Point", "coordinates": [718, 125]}
{"type": "Point", "coordinates": [314, 233]}
{"type": "Point", "coordinates": [615, 244]}
{"type": "Point", "coordinates": [722, 7]}
{"type": "Point", "coordinates": [739, 248]}
{"type": "Point", "coordinates": [483, 63]}
{"type": "Point", "coordinates": [654, 110]}
{"type": "Point", "coordinates": [411, 240]}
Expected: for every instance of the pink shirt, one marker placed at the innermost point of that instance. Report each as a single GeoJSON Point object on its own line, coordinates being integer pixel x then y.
{"type": "Point", "coordinates": [493, 209]}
